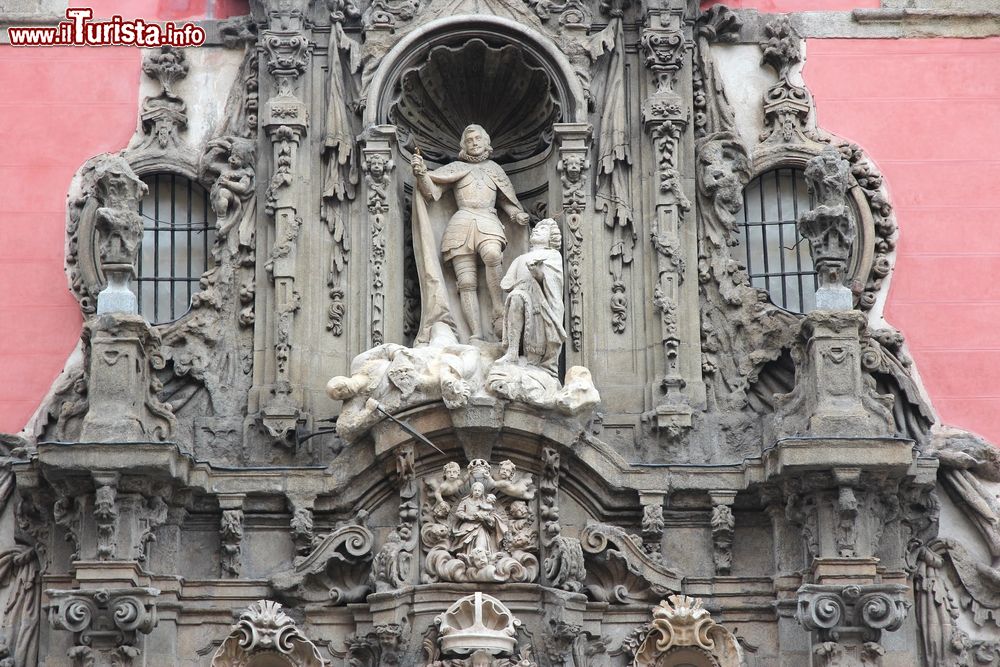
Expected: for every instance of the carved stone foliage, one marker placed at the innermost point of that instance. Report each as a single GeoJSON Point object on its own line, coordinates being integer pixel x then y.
{"type": "Point", "coordinates": [264, 629]}
{"type": "Point", "coordinates": [502, 90]}
{"type": "Point", "coordinates": [394, 565]}
{"type": "Point", "coordinates": [377, 167]}
{"type": "Point", "coordinates": [105, 623]}
{"type": "Point", "coordinates": [21, 564]}
{"type": "Point", "coordinates": [335, 571]}
{"type": "Point", "coordinates": [786, 105]}
{"type": "Point", "coordinates": [619, 570]}
{"type": "Point", "coordinates": [681, 630]}
{"type": "Point", "coordinates": [479, 526]}
{"type": "Point", "coordinates": [723, 523]}
{"type": "Point", "coordinates": [231, 542]}
{"type": "Point", "coordinates": [164, 116]}
{"type": "Point", "coordinates": [563, 565]}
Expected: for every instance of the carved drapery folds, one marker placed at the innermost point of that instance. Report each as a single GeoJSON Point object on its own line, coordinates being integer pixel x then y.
{"type": "Point", "coordinates": [683, 630]}
{"type": "Point", "coordinates": [106, 623]}
{"type": "Point", "coordinates": [480, 526]}
{"type": "Point", "coordinates": [264, 629]}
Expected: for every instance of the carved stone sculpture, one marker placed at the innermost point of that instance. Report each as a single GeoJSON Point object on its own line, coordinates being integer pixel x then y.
{"type": "Point", "coordinates": [829, 228]}
{"type": "Point", "coordinates": [478, 527]}
{"type": "Point", "coordinates": [118, 192]}
{"type": "Point", "coordinates": [684, 629]}
{"type": "Point", "coordinates": [106, 623]}
{"type": "Point", "coordinates": [264, 629]}
{"type": "Point", "coordinates": [477, 622]}
{"type": "Point", "coordinates": [533, 309]}
{"type": "Point", "coordinates": [480, 187]}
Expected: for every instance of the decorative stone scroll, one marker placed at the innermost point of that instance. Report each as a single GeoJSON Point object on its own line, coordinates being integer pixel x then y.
{"type": "Point", "coordinates": [335, 571]}
{"type": "Point", "coordinates": [264, 629]}
{"type": "Point", "coordinates": [106, 623]}
{"type": "Point", "coordinates": [480, 526]}
{"type": "Point", "coordinates": [683, 632]}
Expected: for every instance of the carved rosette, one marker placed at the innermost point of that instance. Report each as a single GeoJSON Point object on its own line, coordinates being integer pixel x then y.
{"type": "Point", "coordinates": [264, 629]}
{"type": "Point", "coordinates": [682, 628]}
{"type": "Point", "coordinates": [105, 623]}
{"type": "Point", "coordinates": [574, 167]}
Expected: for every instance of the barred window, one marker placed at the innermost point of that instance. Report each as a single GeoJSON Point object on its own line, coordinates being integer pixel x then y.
{"type": "Point", "coordinates": [777, 258]}
{"type": "Point", "coordinates": [178, 233]}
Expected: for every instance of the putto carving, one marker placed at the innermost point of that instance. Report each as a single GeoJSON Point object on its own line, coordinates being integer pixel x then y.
{"type": "Point", "coordinates": [479, 527]}
{"type": "Point", "coordinates": [828, 227]}
{"type": "Point", "coordinates": [228, 163]}
{"type": "Point", "coordinates": [264, 629]}
{"type": "Point", "coordinates": [682, 628]}
{"type": "Point", "coordinates": [105, 623]}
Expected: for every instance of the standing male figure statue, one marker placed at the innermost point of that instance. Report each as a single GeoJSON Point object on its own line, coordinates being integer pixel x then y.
{"type": "Point", "coordinates": [481, 187]}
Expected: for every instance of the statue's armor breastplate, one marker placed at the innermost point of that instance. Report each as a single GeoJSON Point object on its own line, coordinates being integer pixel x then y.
{"type": "Point", "coordinates": [476, 191]}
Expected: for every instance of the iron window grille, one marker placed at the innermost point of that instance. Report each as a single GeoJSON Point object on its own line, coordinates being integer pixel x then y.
{"type": "Point", "coordinates": [777, 258]}
{"type": "Point", "coordinates": [178, 233]}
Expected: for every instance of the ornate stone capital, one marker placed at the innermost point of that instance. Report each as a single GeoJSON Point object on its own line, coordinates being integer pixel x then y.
{"type": "Point", "coordinates": [851, 618]}
{"type": "Point", "coordinates": [105, 623]}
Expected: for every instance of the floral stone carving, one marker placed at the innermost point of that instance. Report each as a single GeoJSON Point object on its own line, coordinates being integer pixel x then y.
{"type": "Point", "coordinates": [264, 629]}
{"type": "Point", "coordinates": [479, 527]}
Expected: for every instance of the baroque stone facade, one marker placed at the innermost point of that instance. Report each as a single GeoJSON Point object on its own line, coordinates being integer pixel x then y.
{"type": "Point", "coordinates": [479, 379]}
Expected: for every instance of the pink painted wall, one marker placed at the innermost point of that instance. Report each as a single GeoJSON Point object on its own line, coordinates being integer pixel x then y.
{"type": "Point", "coordinates": [60, 106]}
{"type": "Point", "coordinates": [927, 111]}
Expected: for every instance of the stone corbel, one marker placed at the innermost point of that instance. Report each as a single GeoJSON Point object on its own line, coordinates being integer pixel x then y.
{"type": "Point", "coordinates": [106, 623]}
{"type": "Point", "coordinates": [849, 620]}
{"type": "Point", "coordinates": [384, 221]}
{"type": "Point", "coordinates": [574, 142]}
{"type": "Point", "coordinates": [231, 535]}
{"type": "Point", "coordinates": [723, 526]}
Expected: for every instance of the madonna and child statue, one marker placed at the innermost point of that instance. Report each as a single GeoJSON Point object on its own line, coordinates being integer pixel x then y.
{"type": "Point", "coordinates": [503, 341]}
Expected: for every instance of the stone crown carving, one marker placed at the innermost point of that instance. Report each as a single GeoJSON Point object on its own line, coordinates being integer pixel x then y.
{"type": "Point", "coordinates": [477, 622]}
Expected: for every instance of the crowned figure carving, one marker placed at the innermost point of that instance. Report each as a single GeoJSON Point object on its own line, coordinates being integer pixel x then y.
{"type": "Point", "coordinates": [479, 527]}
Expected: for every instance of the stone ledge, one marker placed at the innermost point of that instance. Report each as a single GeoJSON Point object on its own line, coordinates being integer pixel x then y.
{"type": "Point", "coordinates": [795, 455]}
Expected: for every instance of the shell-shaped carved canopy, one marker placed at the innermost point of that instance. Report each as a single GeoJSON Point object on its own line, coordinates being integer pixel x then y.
{"type": "Point", "coordinates": [476, 83]}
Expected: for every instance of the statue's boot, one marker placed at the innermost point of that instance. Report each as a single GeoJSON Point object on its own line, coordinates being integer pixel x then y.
{"type": "Point", "coordinates": [493, 276]}
{"type": "Point", "coordinates": [470, 308]}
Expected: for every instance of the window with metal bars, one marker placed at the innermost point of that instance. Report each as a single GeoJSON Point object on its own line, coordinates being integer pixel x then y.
{"type": "Point", "coordinates": [777, 258]}
{"type": "Point", "coordinates": [178, 233]}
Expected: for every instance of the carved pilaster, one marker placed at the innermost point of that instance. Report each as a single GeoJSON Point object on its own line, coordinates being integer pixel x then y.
{"type": "Point", "coordinates": [574, 141]}
{"type": "Point", "coordinates": [562, 565]}
{"type": "Point", "coordinates": [286, 51]}
{"type": "Point", "coordinates": [378, 165]}
{"type": "Point", "coordinates": [665, 116]}
{"type": "Point", "coordinates": [394, 566]}
{"type": "Point", "coordinates": [723, 526]}
{"type": "Point", "coordinates": [105, 623]}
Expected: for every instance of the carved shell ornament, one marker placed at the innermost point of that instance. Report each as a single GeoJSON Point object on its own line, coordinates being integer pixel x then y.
{"type": "Point", "coordinates": [476, 83]}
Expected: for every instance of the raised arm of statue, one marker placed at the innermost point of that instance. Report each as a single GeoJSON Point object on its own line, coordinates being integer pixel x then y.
{"type": "Point", "coordinates": [427, 187]}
